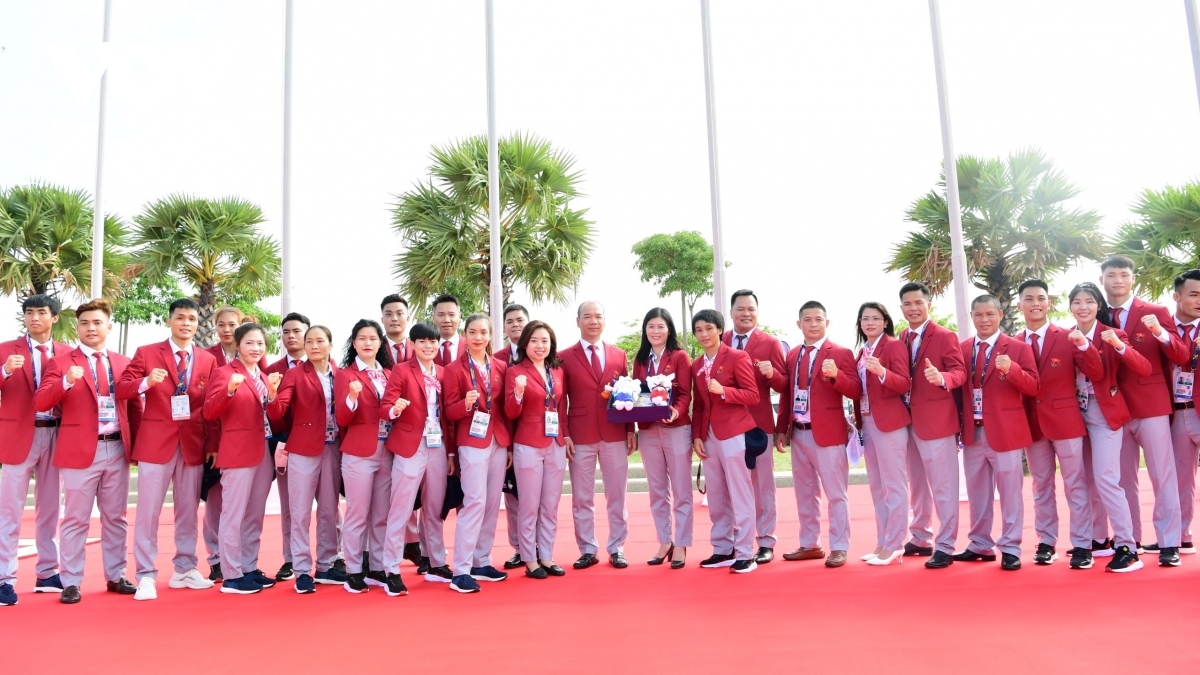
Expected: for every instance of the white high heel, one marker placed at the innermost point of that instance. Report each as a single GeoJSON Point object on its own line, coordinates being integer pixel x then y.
{"type": "Point", "coordinates": [898, 556]}
{"type": "Point", "coordinates": [868, 557]}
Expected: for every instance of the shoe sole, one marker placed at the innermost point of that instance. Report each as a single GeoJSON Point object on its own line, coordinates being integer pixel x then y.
{"type": "Point", "coordinates": [1187, 551]}
{"type": "Point", "coordinates": [351, 590]}
{"type": "Point", "coordinates": [436, 578]}
{"type": "Point", "coordinates": [237, 591]}
{"type": "Point", "coordinates": [266, 586]}
{"type": "Point", "coordinates": [1053, 557]}
{"type": "Point", "coordinates": [45, 589]}
{"type": "Point", "coordinates": [143, 599]}
{"type": "Point", "coordinates": [1132, 568]}
{"type": "Point", "coordinates": [397, 595]}
{"type": "Point", "coordinates": [328, 582]}
{"type": "Point", "coordinates": [454, 587]}
{"type": "Point", "coordinates": [749, 568]}
{"type": "Point", "coordinates": [287, 578]}
{"type": "Point", "coordinates": [9, 604]}
{"type": "Point", "coordinates": [1103, 553]}
{"type": "Point", "coordinates": [305, 592]}
{"type": "Point", "coordinates": [372, 582]}
{"type": "Point", "coordinates": [1173, 563]}
{"type": "Point", "coordinates": [488, 579]}
{"type": "Point", "coordinates": [177, 585]}
{"type": "Point", "coordinates": [1086, 566]}
{"type": "Point", "coordinates": [713, 566]}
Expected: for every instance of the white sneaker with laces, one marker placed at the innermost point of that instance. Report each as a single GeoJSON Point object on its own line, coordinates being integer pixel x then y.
{"type": "Point", "coordinates": [190, 579]}
{"type": "Point", "coordinates": [146, 590]}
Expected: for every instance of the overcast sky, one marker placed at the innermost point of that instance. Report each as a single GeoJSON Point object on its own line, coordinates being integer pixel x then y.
{"type": "Point", "coordinates": [827, 122]}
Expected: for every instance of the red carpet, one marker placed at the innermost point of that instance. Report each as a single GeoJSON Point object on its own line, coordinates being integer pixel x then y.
{"type": "Point", "coordinates": [785, 616]}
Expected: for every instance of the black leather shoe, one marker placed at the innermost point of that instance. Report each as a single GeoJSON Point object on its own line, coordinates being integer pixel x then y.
{"type": "Point", "coordinates": [214, 574]}
{"type": "Point", "coordinates": [911, 549]}
{"type": "Point", "coordinates": [971, 556]}
{"type": "Point", "coordinates": [121, 586]}
{"type": "Point", "coordinates": [70, 595]}
{"type": "Point", "coordinates": [618, 561]}
{"type": "Point", "coordinates": [412, 553]}
{"type": "Point", "coordinates": [659, 561]}
{"type": "Point", "coordinates": [538, 572]}
{"type": "Point", "coordinates": [513, 562]}
{"type": "Point", "coordinates": [585, 561]}
{"type": "Point", "coordinates": [1010, 562]}
{"type": "Point", "coordinates": [940, 561]}
{"type": "Point", "coordinates": [554, 570]}
{"type": "Point", "coordinates": [764, 555]}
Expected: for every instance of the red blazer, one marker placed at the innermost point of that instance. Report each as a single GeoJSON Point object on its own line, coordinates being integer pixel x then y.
{"type": "Point", "coordinates": [934, 409]}
{"type": "Point", "coordinates": [360, 427]}
{"type": "Point", "coordinates": [675, 361]}
{"type": "Point", "coordinates": [218, 354]}
{"type": "Point", "coordinates": [1054, 413]}
{"type": "Point", "coordinates": [437, 359]}
{"type": "Point", "coordinates": [455, 385]}
{"type": "Point", "coordinates": [825, 396]}
{"type": "Point", "coordinates": [76, 444]}
{"type": "Point", "coordinates": [1003, 407]}
{"type": "Point", "coordinates": [886, 398]}
{"type": "Point", "coordinates": [408, 382]}
{"type": "Point", "coordinates": [280, 426]}
{"type": "Point", "coordinates": [16, 401]}
{"type": "Point", "coordinates": [300, 410]}
{"type": "Point", "coordinates": [243, 438]}
{"type": "Point", "coordinates": [1107, 376]}
{"type": "Point", "coordinates": [730, 415]}
{"type": "Point", "coordinates": [529, 416]}
{"type": "Point", "coordinates": [409, 355]}
{"type": "Point", "coordinates": [762, 346]}
{"type": "Point", "coordinates": [586, 405]}
{"type": "Point", "coordinates": [158, 435]}
{"type": "Point", "coordinates": [1151, 395]}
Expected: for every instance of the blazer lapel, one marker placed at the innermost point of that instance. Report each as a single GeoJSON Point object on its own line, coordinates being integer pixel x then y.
{"type": "Point", "coordinates": [80, 359]}
{"type": "Point", "coordinates": [1052, 338]}
{"type": "Point", "coordinates": [168, 358]}
{"type": "Point", "coordinates": [1000, 348]}
{"type": "Point", "coordinates": [585, 358]}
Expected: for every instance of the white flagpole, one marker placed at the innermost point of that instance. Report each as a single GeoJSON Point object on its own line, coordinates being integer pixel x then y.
{"type": "Point", "coordinates": [958, 258]}
{"type": "Point", "coordinates": [286, 211]}
{"type": "Point", "coordinates": [714, 179]}
{"type": "Point", "coordinates": [496, 294]}
{"type": "Point", "coordinates": [98, 206]}
{"type": "Point", "coordinates": [1193, 22]}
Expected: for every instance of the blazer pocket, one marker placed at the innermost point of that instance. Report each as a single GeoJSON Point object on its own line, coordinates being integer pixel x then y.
{"type": "Point", "coordinates": [1153, 379]}
{"type": "Point", "coordinates": [405, 426]}
{"type": "Point", "coordinates": [1065, 403]}
{"type": "Point", "coordinates": [577, 411]}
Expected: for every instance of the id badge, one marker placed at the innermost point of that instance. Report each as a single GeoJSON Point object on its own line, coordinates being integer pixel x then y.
{"type": "Point", "coordinates": [977, 401]}
{"type": "Point", "coordinates": [908, 398]}
{"type": "Point", "coordinates": [331, 430]}
{"type": "Point", "coordinates": [800, 405]}
{"type": "Point", "coordinates": [433, 434]}
{"type": "Point", "coordinates": [552, 423]}
{"type": "Point", "coordinates": [385, 428]}
{"type": "Point", "coordinates": [864, 405]}
{"type": "Point", "coordinates": [107, 408]}
{"type": "Point", "coordinates": [266, 425]}
{"type": "Point", "coordinates": [1183, 385]}
{"type": "Point", "coordinates": [1081, 397]}
{"type": "Point", "coordinates": [181, 408]}
{"type": "Point", "coordinates": [479, 424]}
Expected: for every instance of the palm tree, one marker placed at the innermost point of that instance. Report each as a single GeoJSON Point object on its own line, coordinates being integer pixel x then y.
{"type": "Point", "coordinates": [1015, 227]}
{"type": "Point", "coordinates": [1166, 239]}
{"type": "Point", "coordinates": [444, 222]}
{"type": "Point", "coordinates": [46, 246]}
{"type": "Point", "coordinates": [214, 245]}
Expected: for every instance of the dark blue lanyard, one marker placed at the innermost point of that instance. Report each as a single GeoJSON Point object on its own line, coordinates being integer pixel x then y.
{"type": "Point", "coordinates": [990, 353]}
{"type": "Point", "coordinates": [487, 364]}
{"type": "Point", "coordinates": [92, 367]}
{"type": "Point", "coordinates": [550, 389]}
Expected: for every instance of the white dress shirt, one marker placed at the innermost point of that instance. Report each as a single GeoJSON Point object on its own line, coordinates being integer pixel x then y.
{"type": "Point", "coordinates": [106, 428]}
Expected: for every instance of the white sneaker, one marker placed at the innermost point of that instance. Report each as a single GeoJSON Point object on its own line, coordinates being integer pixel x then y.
{"type": "Point", "coordinates": [146, 590]}
{"type": "Point", "coordinates": [190, 579]}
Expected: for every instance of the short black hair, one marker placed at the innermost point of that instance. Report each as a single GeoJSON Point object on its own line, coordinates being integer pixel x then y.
{"type": "Point", "coordinates": [248, 327]}
{"type": "Point", "coordinates": [813, 304]}
{"type": "Point", "coordinates": [445, 297]}
{"type": "Point", "coordinates": [389, 299]}
{"type": "Point", "coordinates": [1190, 275]}
{"type": "Point", "coordinates": [515, 308]}
{"type": "Point", "coordinates": [183, 303]}
{"type": "Point", "coordinates": [915, 286]}
{"type": "Point", "coordinates": [295, 316]}
{"type": "Point", "coordinates": [41, 300]}
{"type": "Point", "coordinates": [987, 297]}
{"type": "Point", "coordinates": [743, 292]}
{"type": "Point", "coordinates": [423, 330]}
{"type": "Point", "coordinates": [1119, 261]}
{"type": "Point", "coordinates": [1031, 283]}
{"type": "Point", "coordinates": [709, 316]}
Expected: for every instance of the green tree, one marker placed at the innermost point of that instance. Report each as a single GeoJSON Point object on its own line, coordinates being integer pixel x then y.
{"type": "Point", "coordinates": [679, 263]}
{"type": "Point", "coordinates": [46, 247]}
{"type": "Point", "coordinates": [1165, 240]}
{"type": "Point", "coordinates": [143, 302]}
{"type": "Point", "coordinates": [215, 246]}
{"type": "Point", "coordinates": [444, 223]}
{"type": "Point", "coordinates": [1015, 227]}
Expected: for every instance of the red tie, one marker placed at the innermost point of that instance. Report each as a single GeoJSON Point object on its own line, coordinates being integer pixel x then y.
{"type": "Point", "coordinates": [1116, 315]}
{"type": "Point", "coordinates": [1037, 351]}
{"type": "Point", "coordinates": [1191, 346]}
{"type": "Point", "coordinates": [596, 362]}
{"type": "Point", "coordinates": [445, 353]}
{"type": "Point", "coordinates": [181, 372]}
{"type": "Point", "coordinates": [102, 387]}
{"type": "Point", "coordinates": [397, 348]}
{"type": "Point", "coordinates": [741, 342]}
{"type": "Point", "coordinates": [290, 362]}
{"type": "Point", "coordinates": [804, 367]}
{"type": "Point", "coordinates": [980, 364]}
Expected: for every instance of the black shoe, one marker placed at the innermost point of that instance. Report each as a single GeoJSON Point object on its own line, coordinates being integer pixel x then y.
{"type": "Point", "coordinates": [70, 595]}
{"type": "Point", "coordinates": [1124, 560]}
{"type": "Point", "coordinates": [971, 556]}
{"type": "Point", "coordinates": [376, 578]}
{"type": "Point", "coordinates": [911, 549]}
{"type": "Point", "coordinates": [214, 574]}
{"type": "Point", "coordinates": [305, 584]}
{"type": "Point", "coordinates": [717, 560]}
{"type": "Point", "coordinates": [940, 560]}
{"type": "Point", "coordinates": [618, 561]}
{"type": "Point", "coordinates": [538, 572]}
{"type": "Point", "coordinates": [121, 586]}
{"type": "Point", "coordinates": [1168, 557]}
{"type": "Point", "coordinates": [764, 555]}
{"type": "Point", "coordinates": [394, 586]}
{"type": "Point", "coordinates": [659, 561]}
{"type": "Point", "coordinates": [554, 570]}
{"type": "Point", "coordinates": [356, 583]}
{"type": "Point", "coordinates": [1010, 562]}
{"type": "Point", "coordinates": [331, 576]}
{"type": "Point", "coordinates": [1150, 548]}
{"type": "Point", "coordinates": [412, 553]}
{"type": "Point", "coordinates": [1081, 559]}
{"type": "Point", "coordinates": [513, 562]}
{"type": "Point", "coordinates": [440, 574]}
{"type": "Point", "coordinates": [743, 566]}
{"type": "Point", "coordinates": [261, 579]}
{"type": "Point", "coordinates": [1102, 549]}
{"type": "Point", "coordinates": [285, 572]}
{"type": "Point", "coordinates": [1044, 555]}
{"type": "Point", "coordinates": [585, 561]}
{"type": "Point", "coordinates": [339, 566]}
{"type": "Point", "coordinates": [423, 566]}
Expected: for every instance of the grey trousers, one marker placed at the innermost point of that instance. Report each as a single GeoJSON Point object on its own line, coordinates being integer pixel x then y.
{"type": "Point", "coordinates": [816, 468]}
{"type": "Point", "coordinates": [368, 482]}
{"type": "Point", "coordinates": [14, 488]}
{"type": "Point", "coordinates": [406, 477]}
{"type": "Point", "coordinates": [482, 476]}
{"type": "Point", "coordinates": [933, 483]}
{"type": "Point", "coordinates": [667, 458]}
{"type": "Point", "coordinates": [766, 514]}
{"type": "Point", "coordinates": [243, 508]}
{"type": "Point", "coordinates": [730, 497]}
{"type": "Point", "coordinates": [1153, 435]}
{"type": "Point", "coordinates": [106, 484]}
{"type": "Point", "coordinates": [987, 472]}
{"type": "Point", "coordinates": [886, 453]}
{"type": "Point", "coordinates": [1069, 453]}
{"type": "Point", "coordinates": [310, 478]}
{"type": "Point", "coordinates": [1103, 470]}
{"type": "Point", "coordinates": [614, 472]}
{"type": "Point", "coordinates": [539, 482]}
{"type": "Point", "coordinates": [211, 530]}
{"type": "Point", "coordinates": [153, 481]}
{"type": "Point", "coordinates": [1185, 437]}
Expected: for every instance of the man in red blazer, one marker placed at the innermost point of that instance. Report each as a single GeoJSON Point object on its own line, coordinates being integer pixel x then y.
{"type": "Point", "coordinates": [767, 355]}
{"type": "Point", "coordinates": [994, 432]}
{"type": "Point", "coordinates": [811, 417]}
{"type": "Point", "coordinates": [1185, 426]}
{"type": "Point", "coordinates": [515, 318]}
{"type": "Point", "coordinates": [588, 366]}
{"type": "Point", "coordinates": [90, 450]}
{"type": "Point", "coordinates": [394, 319]}
{"type": "Point", "coordinates": [172, 442]}
{"type": "Point", "coordinates": [1055, 424]}
{"type": "Point", "coordinates": [28, 447]}
{"type": "Point", "coordinates": [226, 321]}
{"type": "Point", "coordinates": [937, 370]}
{"type": "Point", "coordinates": [1153, 334]}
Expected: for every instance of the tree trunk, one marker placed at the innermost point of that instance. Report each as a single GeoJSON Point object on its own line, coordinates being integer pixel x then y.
{"type": "Point", "coordinates": [207, 299]}
{"type": "Point", "coordinates": [125, 336]}
{"type": "Point", "coordinates": [684, 319]}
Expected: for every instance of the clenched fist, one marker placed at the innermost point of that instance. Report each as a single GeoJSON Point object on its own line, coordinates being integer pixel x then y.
{"type": "Point", "coordinates": [1003, 362]}
{"type": "Point", "coordinates": [472, 397]}
{"type": "Point", "coordinates": [829, 369]}
{"type": "Point", "coordinates": [1150, 321]}
{"type": "Point", "coordinates": [355, 388]}
{"type": "Point", "coordinates": [715, 387]}
{"type": "Point", "coordinates": [14, 363]}
{"type": "Point", "coordinates": [155, 377]}
{"type": "Point", "coordinates": [1077, 338]}
{"type": "Point", "coordinates": [273, 381]}
{"type": "Point", "coordinates": [765, 368]}
{"type": "Point", "coordinates": [873, 365]}
{"type": "Point", "coordinates": [399, 406]}
{"type": "Point", "coordinates": [1110, 336]}
{"type": "Point", "coordinates": [74, 373]}
{"type": "Point", "coordinates": [235, 381]}
{"type": "Point", "coordinates": [519, 389]}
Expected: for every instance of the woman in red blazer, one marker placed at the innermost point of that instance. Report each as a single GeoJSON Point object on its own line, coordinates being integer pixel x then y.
{"type": "Point", "coordinates": [314, 464]}
{"type": "Point", "coordinates": [366, 463]}
{"type": "Point", "coordinates": [1105, 413]}
{"type": "Point", "coordinates": [535, 400]}
{"type": "Point", "coordinates": [237, 398]}
{"type": "Point", "coordinates": [226, 321]}
{"type": "Point", "coordinates": [474, 389]}
{"type": "Point", "coordinates": [667, 446]}
{"type": "Point", "coordinates": [883, 419]}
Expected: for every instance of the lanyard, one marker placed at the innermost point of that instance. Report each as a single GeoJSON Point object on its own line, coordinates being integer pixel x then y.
{"type": "Point", "coordinates": [37, 380]}
{"type": "Point", "coordinates": [181, 388]}
{"type": "Point", "coordinates": [92, 367]}
{"type": "Point", "coordinates": [329, 398]}
{"type": "Point", "coordinates": [487, 364]}
{"type": "Point", "coordinates": [550, 389]}
{"type": "Point", "coordinates": [988, 359]}
{"type": "Point", "coordinates": [808, 358]}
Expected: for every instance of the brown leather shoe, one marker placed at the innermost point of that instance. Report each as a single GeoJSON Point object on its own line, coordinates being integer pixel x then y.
{"type": "Point", "coordinates": [836, 559]}
{"type": "Point", "coordinates": [807, 554]}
